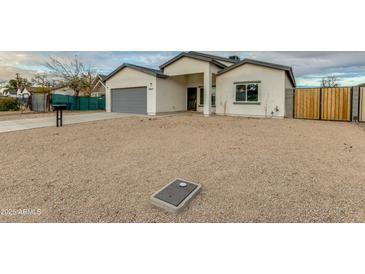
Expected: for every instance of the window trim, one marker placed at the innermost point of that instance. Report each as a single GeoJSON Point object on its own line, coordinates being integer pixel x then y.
{"type": "Point", "coordinates": [246, 83]}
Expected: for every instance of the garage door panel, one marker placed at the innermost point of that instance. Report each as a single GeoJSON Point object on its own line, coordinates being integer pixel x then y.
{"type": "Point", "coordinates": [129, 100]}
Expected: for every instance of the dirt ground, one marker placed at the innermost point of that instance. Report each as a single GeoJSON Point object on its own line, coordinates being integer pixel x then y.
{"type": "Point", "coordinates": [251, 170]}
{"type": "Point", "coordinates": [18, 115]}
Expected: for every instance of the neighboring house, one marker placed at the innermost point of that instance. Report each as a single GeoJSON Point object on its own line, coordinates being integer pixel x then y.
{"type": "Point", "coordinates": [20, 92]}
{"type": "Point", "coordinates": [204, 83]}
{"type": "Point", "coordinates": [97, 90]}
{"type": "Point", "coordinates": [63, 90]}
{"type": "Point", "coordinates": [10, 92]}
{"type": "Point", "coordinates": [3, 87]}
{"type": "Point", "coordinates": [24, 92]}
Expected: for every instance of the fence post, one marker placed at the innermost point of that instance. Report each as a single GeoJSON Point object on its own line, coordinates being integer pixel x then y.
{"type": "Point", "coordinates": [351, 101]}
{"type": "Point", "coordinates": [358, 103]}
{"type": "Point", "coordinates": [320, 103]}
{"type": "Point", "coordinates": [293, 102]}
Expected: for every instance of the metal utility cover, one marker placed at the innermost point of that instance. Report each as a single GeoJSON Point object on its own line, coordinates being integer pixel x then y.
{"type": "Point", "coordinates": [174, 197]}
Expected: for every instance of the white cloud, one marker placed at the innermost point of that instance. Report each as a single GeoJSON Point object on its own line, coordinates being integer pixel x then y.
{"type": "Point", "coordinates": [8, 72]}
{"type": "Point", "coordinates": [308, 66]}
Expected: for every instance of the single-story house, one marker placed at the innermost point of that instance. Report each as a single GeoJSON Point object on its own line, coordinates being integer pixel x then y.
{"type": "Point", "coordinates": [3, 87]}
{"type": "Point", "coordinates": [98, 88]}
{"type": "Point", "coordinates": [12, 92]}
{"type": "Point", "coordinates": [63, 90]}
{"type": "Point", "coordinates": [193, 81]}
{"type": "Point", "coordinates": [23, 92]}
{"type": "Point", "coordinates": [19, 93]}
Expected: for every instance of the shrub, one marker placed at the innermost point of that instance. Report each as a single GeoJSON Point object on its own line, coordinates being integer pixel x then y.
{"type": "Point", "coordinates": [8, 103]}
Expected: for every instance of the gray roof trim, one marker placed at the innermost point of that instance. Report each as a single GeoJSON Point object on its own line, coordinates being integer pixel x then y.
{"type": "Point", "coordinates": [288, 70]}
{"type": "Point", "coordinates": [154, 72]}
{"type": "Point", "coordinates": [218, 64]}
{"type": "Point", "coordinates": [194, 56]}
{"type": "Point", "coordinates": [218, 58]}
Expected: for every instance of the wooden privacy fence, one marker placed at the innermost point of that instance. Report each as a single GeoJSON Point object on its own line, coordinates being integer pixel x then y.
{"type": "Point", "coordinates": [336, 104]}
{"type": "Point", "coordinates": [307, 103]}
{"type": "Point", "coordinates": [323, 103]}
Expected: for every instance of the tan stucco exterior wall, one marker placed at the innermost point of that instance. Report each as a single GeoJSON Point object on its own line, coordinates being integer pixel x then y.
{"type": "Point", "coordinates": [271, 92]}
{"type": "Point", "coordinates": [186, 65]}
{"type": "Point", "coordinates": [288, 83]}
{"type": "Point", "coordinates": [171, 94]}
{"type": "Point", "coordinates": [129, 77]}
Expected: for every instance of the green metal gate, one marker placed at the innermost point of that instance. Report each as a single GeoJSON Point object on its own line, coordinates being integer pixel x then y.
{"type": "Point", "coordinates": [78, 103]}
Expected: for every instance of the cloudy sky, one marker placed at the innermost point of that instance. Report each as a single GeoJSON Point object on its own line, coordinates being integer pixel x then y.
{"type": "Point", "coordinates": [309, 66]}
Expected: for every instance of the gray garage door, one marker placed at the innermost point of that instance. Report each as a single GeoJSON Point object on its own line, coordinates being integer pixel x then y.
{"type": "Point", "coordinates": [129, 100]}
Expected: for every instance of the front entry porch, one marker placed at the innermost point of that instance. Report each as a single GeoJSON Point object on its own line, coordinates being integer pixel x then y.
{"type": "Point", "coordinates": [200, 91]}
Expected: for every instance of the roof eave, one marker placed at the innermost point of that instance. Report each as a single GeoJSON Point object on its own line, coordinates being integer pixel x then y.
{"type": "Point", "coordinates": [260, 63]}
{"type": "Point", "coordinates": [113, 73]}
{"type": "Point", "coordinates": [191, 55]}
{"type": "Point", "coordinates": [144, 70]}
{"type": "Point", "coordinates": [292, 78]}
{"type": "Point", "coordinates": [224, 59]}
{"type": "Point", "coordinates": [218, 64]}
{"type": "Point", "coordinates": [172, 60]}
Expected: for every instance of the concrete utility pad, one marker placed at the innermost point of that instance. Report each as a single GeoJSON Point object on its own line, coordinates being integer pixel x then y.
{"type": "Point", "coordinates": [175, 196]}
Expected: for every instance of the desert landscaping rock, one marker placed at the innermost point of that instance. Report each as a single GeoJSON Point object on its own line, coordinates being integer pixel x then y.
{"type": "Point", "coordinates": [252, 170]}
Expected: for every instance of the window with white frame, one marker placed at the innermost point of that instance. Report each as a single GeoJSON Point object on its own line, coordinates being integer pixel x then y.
{"type": "Point", "coordinates": [247, 92]}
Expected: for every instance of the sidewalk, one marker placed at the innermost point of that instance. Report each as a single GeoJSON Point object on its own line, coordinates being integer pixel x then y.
{"type": "Point", "coordinates": [14, 125]}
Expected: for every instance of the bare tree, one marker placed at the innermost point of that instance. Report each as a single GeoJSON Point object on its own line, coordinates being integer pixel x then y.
{"type": "Point", "coordinates": [88, 83]}
{"type": "Point", "coordinates": [42, 82]}
{"type": "Point", "coordinates": [329, 82]}
{"type": "Point", "coordinates": [73, 73]}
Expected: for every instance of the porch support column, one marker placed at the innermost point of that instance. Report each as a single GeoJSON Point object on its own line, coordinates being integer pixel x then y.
{"type": "Point", "coordinates": [108, 99]}
{"type": "Point", "coordinates": [207, 91]}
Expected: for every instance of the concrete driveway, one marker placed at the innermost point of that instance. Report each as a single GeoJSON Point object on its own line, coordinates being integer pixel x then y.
{"type": "Point", "coordinates": [14, 125]}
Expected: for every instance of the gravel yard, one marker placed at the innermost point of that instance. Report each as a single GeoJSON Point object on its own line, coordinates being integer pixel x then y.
{"type": "Point", "coordinates": [251, 170]}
